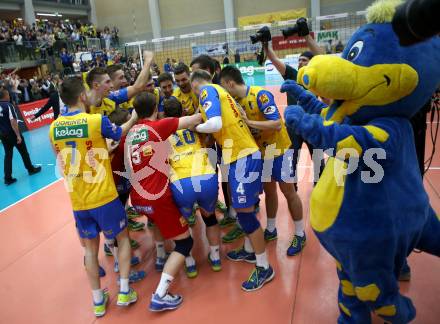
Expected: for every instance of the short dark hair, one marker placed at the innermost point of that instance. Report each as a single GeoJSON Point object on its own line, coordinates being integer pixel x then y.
{"type": "Point", "coordinates": [145, 104]}
{"type": "Point", "coordinates": [119, 116]}
{"type": "Point", "coordinates": [112, 69]}
{"type": "Point", "coordinates": [94, 75]}
{"type": "Point", "coordinates": [172, 107]}
{"type": "Point", "coordinates": [71, 89]}
{"type": "Point", "coordinates": [181, 68]}
{"type": "Point", "coordinates": [165, 77]}
{"type": "Point", "coordinates": [231, 72]}
{"type": "Point", "coordinates": [307, 54]}
{"type": "Point", "coordinates": [206, 63]}
{"type": "Point", "coordinates": [201, 75]}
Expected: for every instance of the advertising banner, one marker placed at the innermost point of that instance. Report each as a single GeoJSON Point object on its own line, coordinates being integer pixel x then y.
{"type": "Point", "coordinates": [28, 110]}
{"type": "Point", "coordinates": [272, 17]}
{"type": "Point", "coordinates": [281, 43]}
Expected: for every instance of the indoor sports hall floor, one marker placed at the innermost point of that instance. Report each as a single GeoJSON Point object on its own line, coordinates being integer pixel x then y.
{"type": "Point", "coordinates": [42, 278]}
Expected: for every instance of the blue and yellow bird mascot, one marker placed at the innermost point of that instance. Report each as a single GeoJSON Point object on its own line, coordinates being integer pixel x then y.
{"type": "Point", "coordinates": [369, 209]}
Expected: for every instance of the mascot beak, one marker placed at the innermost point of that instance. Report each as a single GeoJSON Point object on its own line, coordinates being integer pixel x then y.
{"type": "Point", "coordinates": [353, 86]}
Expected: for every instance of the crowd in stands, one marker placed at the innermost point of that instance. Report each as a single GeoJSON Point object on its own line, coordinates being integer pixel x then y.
{"type": "Point", "coordinates": [46, 36]}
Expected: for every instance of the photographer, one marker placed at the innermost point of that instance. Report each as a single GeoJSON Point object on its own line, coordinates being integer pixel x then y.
{"type": "Point", "coordinates": [289, 73]}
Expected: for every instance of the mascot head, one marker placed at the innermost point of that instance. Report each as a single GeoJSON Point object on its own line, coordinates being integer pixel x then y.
{"type": "Point", "coordinates": [376, 77]}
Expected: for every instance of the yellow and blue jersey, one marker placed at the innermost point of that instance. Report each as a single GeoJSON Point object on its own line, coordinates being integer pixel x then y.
{"type": "Point", "coordinates": [188, 101]}
{"type": "Point", "coordinates": [188, 158]}
{"type": "Point", "coordinates": [259, 105]}
{"type": "Point", "coordinates": [79, 140]}
{"type": "Point", "coordinates": [234, 137]}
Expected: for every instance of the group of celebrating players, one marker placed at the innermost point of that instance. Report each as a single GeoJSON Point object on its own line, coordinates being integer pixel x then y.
{"type": "Point", "coordinates": [161, 150]}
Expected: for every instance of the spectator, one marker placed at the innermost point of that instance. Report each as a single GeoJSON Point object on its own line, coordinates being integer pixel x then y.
{"type": "Point", "coordinates": [167, 66]}
{"type": "Point", "coordinates": [226, 60]}
{"type": "Point", "coordinates": [339, 48]}
{"type": "Point", "coordinates": [237, 56]}
{"type": "Point", "coordinates": [67, 61]}
{"type": "Point", "coordinates": [11, 137]}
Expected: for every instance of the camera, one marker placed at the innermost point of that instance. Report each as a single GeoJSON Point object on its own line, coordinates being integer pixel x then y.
{"type": "Point", "coordinates": [301, 28]}
{"type": "Point", "coordinates": [263, 35]}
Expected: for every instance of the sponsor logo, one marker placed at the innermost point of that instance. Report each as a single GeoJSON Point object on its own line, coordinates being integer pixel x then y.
{"type": "Point", "coordinates": [122, 223]}
{"type": "Point", "coordinates": [75, 131]}
{"type": "Point", "coordinates": [207, 105]}
{"type": "Point", "coordinates": [204, 94]}
{"type": "Point", "coordinates": [264, 99]}
{"type": "Point", "coordinates": [139, 137]}
{"type": "Point", "coordinates": [241, 199]}
{"type": "Point", "coordinates": [269, 110]}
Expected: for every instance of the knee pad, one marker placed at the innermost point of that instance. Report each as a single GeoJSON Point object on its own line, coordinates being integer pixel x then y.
{"type": "Point", "coordinates": [248, 222]}
{"type": "Point", "coordinates": [210, 220]}
{"type": "Point", "coordinates": [184, 246]}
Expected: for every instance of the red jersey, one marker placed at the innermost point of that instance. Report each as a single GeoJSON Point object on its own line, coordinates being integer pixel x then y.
{"type": "Point", "coordinates": [148, 148]}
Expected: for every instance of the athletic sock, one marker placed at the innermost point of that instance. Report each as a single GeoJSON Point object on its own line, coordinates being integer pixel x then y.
{"type": "Point", "coordinates": [98, 296]}
{"type": "Point", "coordinates": [262, 260]}
{"type": "Point", "coordinates": [299, 228]}
{"type": "Point", "coordinates": [271, 224]}
{"type": "Point", "coordinates": [215, 252]}
{"type": "Point", "coordinates": [164, 284]}
{"type": "Point", "coordinates": [124, 285]}
{"type": "Point", "coordinates": [189, 261]}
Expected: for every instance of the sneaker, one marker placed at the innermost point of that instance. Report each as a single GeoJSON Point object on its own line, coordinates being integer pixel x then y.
{"type": "Point", "coordinates": [135, 226]}
{"type": "Point", "coordinates": [297, 245]}
{"type": "Point", "coordinates": [135, 261]}
{"type": "Point", "coordinates": [101, 308]}
{"type": "Point", "coordinates": [191, 271]}
{"type": "Point", "coordinates": [233, 234]}
{"type": "Point", "coordinates": [150, 224]}
{"type": "Point", "coordinates": [226, 221]}
{"type": "Point", "coordinates": [125, 299]}
{"type": "Point", "coordinates": [132, 213]}
{"type": "Point", "coordinates": [221, 206]}
{"type": "Point", "coordinates": [167, 302]}
{"type": "Point", "coordinates": [241, 255]}
{"type": "Point", "coordinates": [10, 181]}
{"type": "Point", "coordinates": [101, 272]}
{"type": "Point", "coordinates": [134, 244]}
{"type": "Point", "coordinates": [216, 265]}
{"type": "Point", "coordinates": [191, 220]}
{"type": "Point", "coordinates": [34, 170]}
{"type": "Point", "coordinates": [270, 236]}
{"type": "Point", "coordinates": [258, 278]}
{"type": "Point", "coordinates": [160, 263]}
{"type": "Point", "coordinates": [134, 276]}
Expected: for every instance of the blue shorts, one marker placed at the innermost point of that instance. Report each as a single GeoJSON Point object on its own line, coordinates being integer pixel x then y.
{"type": "Point", "coordinates": [202, 190]}
{"type": "Point", "coordinates": [245, 188]}
{"type": "Point", "coordinates": [279, 169]}
{"type": "Point", "coordinates": [111, 219]}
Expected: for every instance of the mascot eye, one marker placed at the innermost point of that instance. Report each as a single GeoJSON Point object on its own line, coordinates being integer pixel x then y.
{"type": "Point", "coordinates": [355, 50]}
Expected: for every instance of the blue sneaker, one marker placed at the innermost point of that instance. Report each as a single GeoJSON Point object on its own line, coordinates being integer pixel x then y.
{"type": "Point", "coordinates": [241, 255]}
{"type": "Point", "coordinates": [101, 272]}
{"type": "Point", "coordinates": [134, 276]}
{"type": "Point", "coordinates": [297, 245]}
{"type": "Point", "coordinates": [216, 265]}
{"type": "Point", "coordinates": [270, 236]}
{"type": "Point", "coordinates": [135, 261]}
{"type": "Point", "coordinates": [160, 263]}
{"type": "Point", "coordinates": [258, 278]}
{"type": "Point", "coordinates": [167, 302]}
{"type": "Point", "coordinates": [191, 271]}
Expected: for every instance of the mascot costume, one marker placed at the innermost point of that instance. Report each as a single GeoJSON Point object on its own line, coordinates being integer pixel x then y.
{"type": "Point", "coordinates": [369, 209]}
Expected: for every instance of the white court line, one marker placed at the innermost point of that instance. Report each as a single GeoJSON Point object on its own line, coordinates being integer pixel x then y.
{"type": "Point", "coordinates": [30, 195]}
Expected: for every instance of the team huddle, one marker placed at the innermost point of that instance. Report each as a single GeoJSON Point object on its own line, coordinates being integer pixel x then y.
{"type": "Point", "coordinates": [161, 152]}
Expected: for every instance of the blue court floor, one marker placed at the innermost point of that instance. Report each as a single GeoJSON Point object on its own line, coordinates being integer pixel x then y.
{"type": "Point", "coordinates": [37, 142]}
